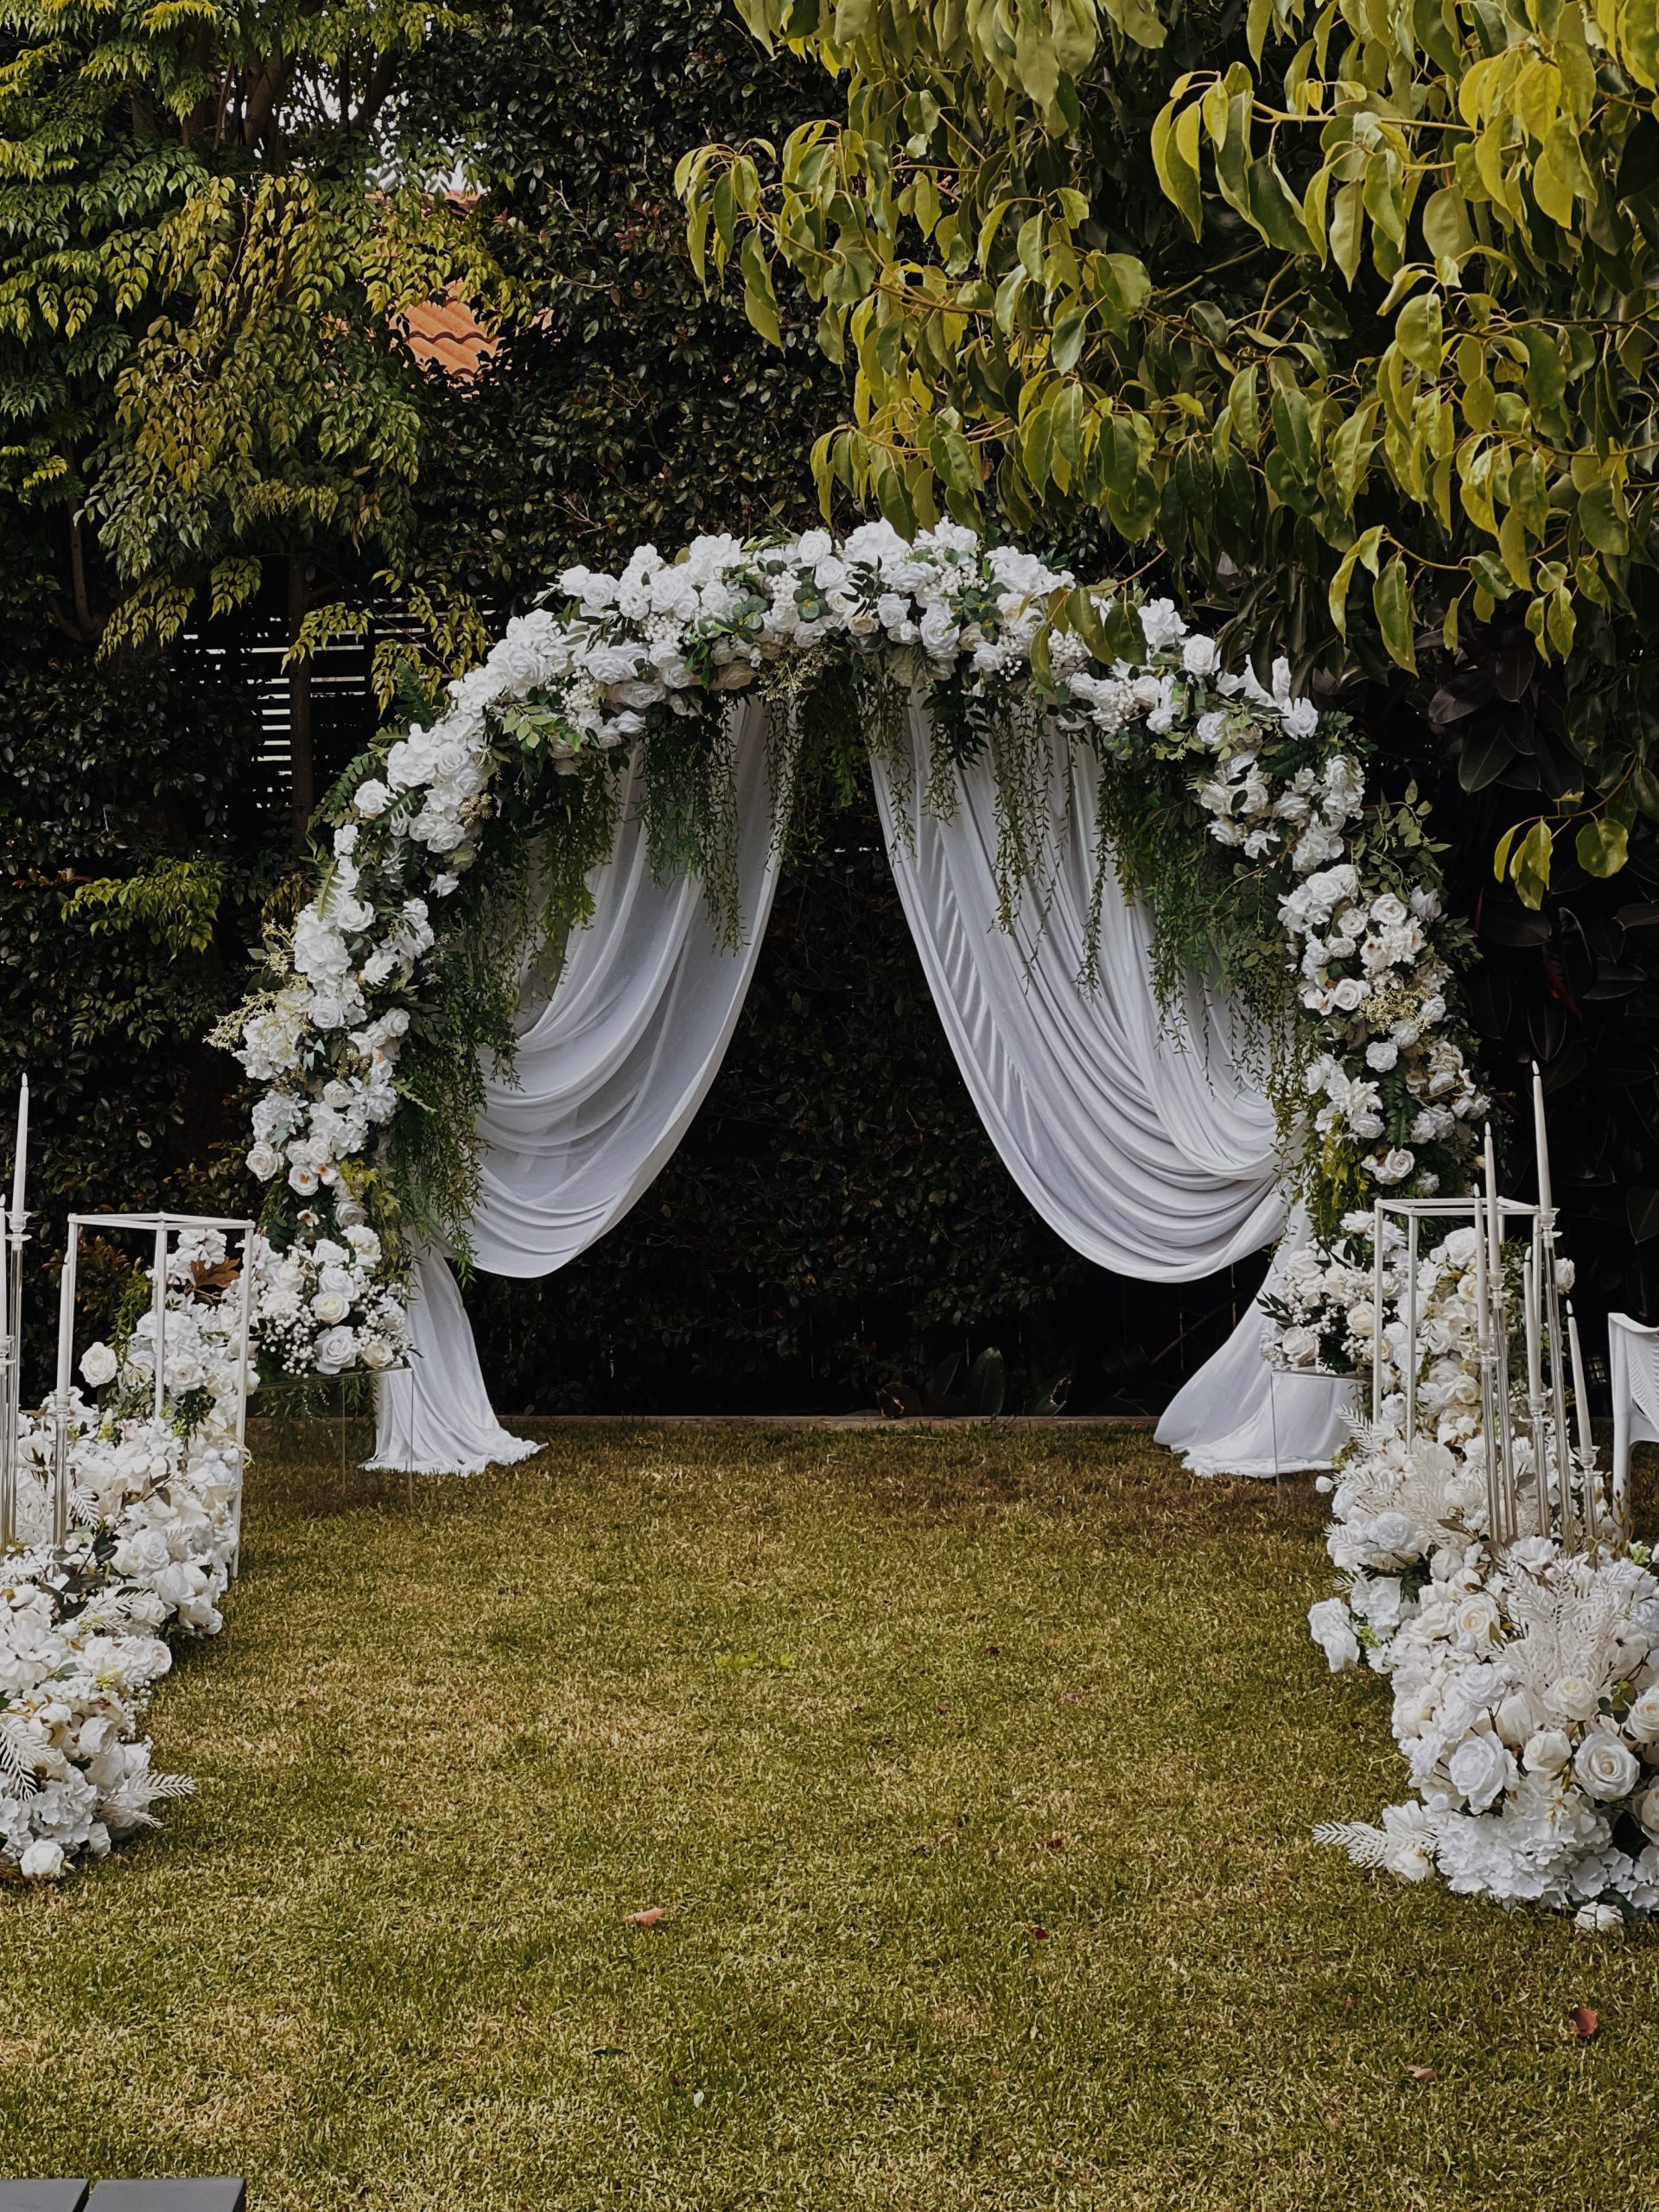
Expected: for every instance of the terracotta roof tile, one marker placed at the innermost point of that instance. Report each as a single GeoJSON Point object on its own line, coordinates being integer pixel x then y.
{"type": "Point", "coordinates": [448, 333]}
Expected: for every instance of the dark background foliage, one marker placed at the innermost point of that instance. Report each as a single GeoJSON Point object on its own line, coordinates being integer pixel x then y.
{"type": "Point", "coordinates": [836, 1215]}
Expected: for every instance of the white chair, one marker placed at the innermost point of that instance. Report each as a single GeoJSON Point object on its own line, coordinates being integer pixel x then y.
{"type": "Point", "coordinates": [1633, 1372]}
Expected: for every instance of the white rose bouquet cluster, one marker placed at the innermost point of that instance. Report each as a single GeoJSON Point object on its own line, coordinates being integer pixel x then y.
{"type": "Point", "coordinates": [324, 1306]}
{"type": "Point", "coordinates": [1526, 1681]}
{"type": "Point", "coordinates": [84, 1626]}
{"type": "Point", "coordinates": [941, 618]}
{"type": "Point", "coordinates": [1318, 1303]}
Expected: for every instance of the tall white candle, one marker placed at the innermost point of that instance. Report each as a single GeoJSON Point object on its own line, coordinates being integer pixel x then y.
{"type": "Point", "coordinates": [1545, 1198]}
{"type": "Point", "coordinates": [1580, 1393]}
{"type": "Point", "coordinates": [20, 1164]}
{"type": "Point", "coordinates": [1483, 1310]}
{"type": "Point", "coordinates": [1534, 1331]}
{"type": "Point", "coordinates": [66, 1318]}
{"type": "Point", "coordinates": [1494, 1223]}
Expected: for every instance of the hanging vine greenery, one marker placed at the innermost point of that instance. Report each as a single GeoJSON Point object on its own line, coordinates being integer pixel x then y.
{"type": "Point", "coordinates": [463, 844]}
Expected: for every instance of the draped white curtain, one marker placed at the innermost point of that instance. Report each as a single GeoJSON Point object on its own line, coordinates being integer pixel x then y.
{"type": "Point", "coordinates": [612, 1065]}
{"type": "Point", "coordinates": [1147, 1145]}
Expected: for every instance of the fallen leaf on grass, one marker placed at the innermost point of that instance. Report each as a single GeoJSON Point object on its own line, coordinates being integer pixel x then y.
{"type": "Point", "coordinates": [1586, 2022]}
{"type": "Point", "coordinates": [1423, 2073]}
{"type": "Point", "coordinates": [1039, 1934]}
{"type": "Point", "coordinates": [648, 1918]}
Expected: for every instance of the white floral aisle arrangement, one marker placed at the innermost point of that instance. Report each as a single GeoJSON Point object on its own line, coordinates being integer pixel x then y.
{"type": "Point", "coordinates": [1525, 1674]}
{"type": "Point", "coordinates": [84, 1626]}
{"type": "Point", "coordinates": [386, 955]}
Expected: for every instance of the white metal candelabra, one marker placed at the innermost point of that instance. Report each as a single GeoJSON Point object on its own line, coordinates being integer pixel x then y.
{"type": "Point", "coordinates": [1567, 1501]}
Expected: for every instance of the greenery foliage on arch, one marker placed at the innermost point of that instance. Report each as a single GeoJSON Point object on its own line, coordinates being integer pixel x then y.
{"type": "Point", "coordinates": [461, 844]}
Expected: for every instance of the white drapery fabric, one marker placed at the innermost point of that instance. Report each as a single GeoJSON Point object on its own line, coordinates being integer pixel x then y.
{"type": "Point", "coordinates": [434, 1417]}
{"type": "Point", "coordinates": [1151, 1153]}
{"type": "Point", "coordinates": [612, 1065]}
{"type": "Point", "coordinates": [1147, 1145]}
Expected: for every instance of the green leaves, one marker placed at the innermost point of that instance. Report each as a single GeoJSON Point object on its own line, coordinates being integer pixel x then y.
{"type": "Point", "coordinates": [1367, 307]}
{"type": "Point", "coordinates": [1391, 596]}
{"type": "Point", "coordinates": [760, 301]}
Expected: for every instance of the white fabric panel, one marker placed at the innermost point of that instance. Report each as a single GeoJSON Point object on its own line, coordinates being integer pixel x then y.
{"type": "Point", "coordinates": [1151, 1153]}
{"type": "Point", "coordinates": [613, 1068]}
{"type": "Point", "coordinates": [1152, 1158]}
{"type": "Point", "coordinates": [436, 1418]}
{"type": "Point", "coordinates": [610, 1070]}
{"type": "Point", "coordinates": [1236, 1416]}
{"type": "Point", "coordinates": [1633, 1372]}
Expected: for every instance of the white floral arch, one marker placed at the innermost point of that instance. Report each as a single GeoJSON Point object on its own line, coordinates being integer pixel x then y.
{"type": "Point", "coordinates": [988, 637]}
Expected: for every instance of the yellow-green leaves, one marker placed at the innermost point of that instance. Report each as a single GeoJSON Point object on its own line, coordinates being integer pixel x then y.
{"type": "Point", "coordinates": [759, 302]}
{"type": "Point", "coordinates": [1175, 157]}
{"type": "Point", "coordinates": [1524, 855]}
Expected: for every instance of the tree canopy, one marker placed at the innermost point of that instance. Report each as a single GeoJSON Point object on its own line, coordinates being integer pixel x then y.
{"type": "Point", "coordinates": [207, 239]}
{"type": "Point", "coordinates": [1341, 313]}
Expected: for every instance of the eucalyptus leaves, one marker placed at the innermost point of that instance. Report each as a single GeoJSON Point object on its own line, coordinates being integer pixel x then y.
{"type": "Point", "coordinates": [404, 964]}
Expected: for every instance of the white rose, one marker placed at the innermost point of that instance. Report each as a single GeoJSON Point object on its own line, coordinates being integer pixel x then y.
{"type": "Point", "coordinates": [371, 798]}
{"type": "Point", "coordinates": [1571, 1698]}
{"type": "Point", "coordinates": [1299, 1347]}
{"type": "Point", "coordinates": [1389, 910]}
{"type": "Point", "coordinates": [1598, 1920]}
{"type": "Point", "coordinates": [1349, 994]}
{"type": "Point", "coordinates": [331, 1306]}
{"type": "Point", "coordinates": [99, 1365]}
{"type": "Point", "coordinates": [1606, 1767]}
{"type": "Point", "coordinates": [1516, 1719]}
{"type": "Point", "coordinates": [336, 1348]}
{"type": "Point", "coordinates": [375, 1353]}
{"type": "Point", "coordinates": [42, 1862]}
{"type": "Point", "coordinates": [1476, 1617]}
{"type": "Point", "coordinates": [1480, 1769]}
{"type": "Point", "coordinates": [1200, 656]}
{"type": "Point", "coordinates": [1641, 1721]}
{"type": "Point", "coordinates": [263, 1160]}
{"type": "Point", "coordinates": [1332, 1630]}
{"type": "Point", "coordinates": [1646, 1809]}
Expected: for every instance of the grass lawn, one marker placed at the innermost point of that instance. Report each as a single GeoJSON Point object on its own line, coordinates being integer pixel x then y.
{"type": "Point", "coordinates": [973, 1772]}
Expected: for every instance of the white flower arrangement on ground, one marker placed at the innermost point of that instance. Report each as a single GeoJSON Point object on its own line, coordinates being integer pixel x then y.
{"type": "Point", "coordinates": [1525, 1680]}
{"type": "Point", "coordinates": [1268, 772]}
{"type": "Point", "coordinates": [84, 1624]}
